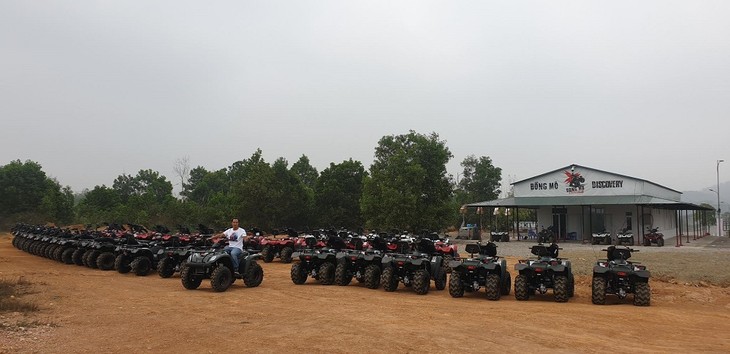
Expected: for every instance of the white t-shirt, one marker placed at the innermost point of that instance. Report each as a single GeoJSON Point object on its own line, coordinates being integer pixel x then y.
{"type": "Point", "coordinates": [235, 237]}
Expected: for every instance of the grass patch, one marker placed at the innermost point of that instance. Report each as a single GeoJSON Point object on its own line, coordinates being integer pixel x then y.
{"type": "Point", "coordinates": [10, 292]}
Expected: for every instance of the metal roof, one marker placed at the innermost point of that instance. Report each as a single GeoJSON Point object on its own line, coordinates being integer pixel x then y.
{"type": "Point", "coordinates": [595, 169]}
{"type": "Point", "coordinates": [536, 202]}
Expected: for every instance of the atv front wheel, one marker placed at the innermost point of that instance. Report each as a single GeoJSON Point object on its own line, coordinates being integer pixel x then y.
{"type": "Point", "coordinates": [286, 253]}
{"type": "Point", "coordinates": [105, 261]}
{"type": "Point", "coordinates": [342, 276]}
{"type": "Point", "coordinates": [267, 254]}
{"type": "Point", "coordinates": [560, 288]}
{"type": "Point", "coordinates": [78, 256]}
{"type": "Point", "coordinates": [188, 278]}
{"type": "Point", "coordinates": [298, 274]}
{"type": "Point", "coordinates": [372, 276]}
{"type": "Point", "coordinates": [166, 267]}
{"type": "Point", "coordinates": [389, 280]}
{"type": "Point", "coordinates": [326, 274]}
{"type": "Point", "coordinates": [642, 295]}
{"type": "Point", "coordinates": [447, 259]}
{"type": "Point", "coordinates": [491, 287]}
{"type": "Point", "coordinates": [254, 275]}
{"type": "Point", "coordinates": [660, 242]}
{"type": "Point", "coordinates": [221, 278]}
{"type": "Point", "coordinates": [421, 282]}
{"type": "Point", "coordinates": [121, 264]}
{"type": "Point", "coordinates": [522, 291]}
{"type": "Point", "coordinates": [67, 256]}
{"type": "Point", "coordinates": [141, 265]}
{"type": "Point", "coordinates": [598, 291]}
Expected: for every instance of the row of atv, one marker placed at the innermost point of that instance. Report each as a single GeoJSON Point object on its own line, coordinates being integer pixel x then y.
{"type": "Point", "coordinates": [626, 237]}
{"type": "Point", "coordinates": [105, 251]}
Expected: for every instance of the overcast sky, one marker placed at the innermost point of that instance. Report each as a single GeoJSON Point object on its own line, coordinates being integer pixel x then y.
{"type": "Point", "coordinates": [93, 89]}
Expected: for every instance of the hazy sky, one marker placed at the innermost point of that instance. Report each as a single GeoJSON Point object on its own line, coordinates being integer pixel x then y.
{"type": "Point", "coordinates": [93, 89]}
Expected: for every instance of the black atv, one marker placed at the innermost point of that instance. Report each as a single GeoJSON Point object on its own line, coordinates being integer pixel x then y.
{"type": "Point", "coordinates": [485, 270]}
{"type": "Point", "coordinates": [364, 265]}
{"type": "Point", "coordinates": [414, 269]}
{"type": "Point", "coordinates": [216, 264]}
{"type": "Point", "coordinates": [616, 275]}
{"type": "Point", "coordinates": [499, 236]}
{"type": "Point", "coordinates": [601, 238]}
{"type": "Point", "coordinates": [171, 260]}
{"type": "Point", "coordinates": [138, 257]}
{"type": "Point", "coordinates": [319, 263]}
{"type": "Point", "coordinates": [546, 235]}
{"type": "Point", "coordinates": [545, 272]}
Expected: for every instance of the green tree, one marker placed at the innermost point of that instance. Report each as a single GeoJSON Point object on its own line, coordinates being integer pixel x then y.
{"type": "Point", "coordinates": [337, 194]}
{"type": "Point", "coordinates": [98, 204]}
{"type": "Point", "coordinates": [306, 172]}
{"type": "Point", "coordinates": [480, 181]}
{"type": "Point", "coordinates": [408, 187]}
{"type": "Point", "coordinates": [711, 217]}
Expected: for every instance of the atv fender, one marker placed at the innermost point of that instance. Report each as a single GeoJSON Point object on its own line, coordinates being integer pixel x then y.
{"type": "Point", "coordinates": [558, 268]}
{"type": "Point", "coordinates": [644, 274]}
{"type": "Point", "coordinates": [387, 259]}
{"type": "Point", "coordinates": [369, 257]}
{"type": "Point", "coordinates": [455, 264]}
{"type": "Point", "coordinates": [600, 270]}
{"type": "Point", "coordinates": [250, 258]}
{"type": "Point", "coordinates": [521, 266]}
{"type": "Point", "coordinates": [436, 267]}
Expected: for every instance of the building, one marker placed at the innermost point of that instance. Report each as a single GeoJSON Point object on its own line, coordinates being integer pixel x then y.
{"type": "Point", "coordinates": [578, 201]}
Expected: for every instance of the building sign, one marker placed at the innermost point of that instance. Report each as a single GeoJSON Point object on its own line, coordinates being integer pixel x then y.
{"type": "Point", "coordinates": [577, 181]}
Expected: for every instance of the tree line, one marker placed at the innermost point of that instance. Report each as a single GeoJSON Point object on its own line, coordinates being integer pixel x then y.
{"type": "Point", "coordinates": [406, 187]}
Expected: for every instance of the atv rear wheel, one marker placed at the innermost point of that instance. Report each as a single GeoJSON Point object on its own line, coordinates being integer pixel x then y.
{"type": "Point", "coordinates": [440, 280]}
{"type": "Point", "coordinates": [456, 288]}
{"type": "Point", "coordinates": [188, 278]}
{"type": "Point", "coordinates": [121, 264]}
{"type": "Point", "coordinates": [91, 259]}
{"type": "Point", "coordinates": [642, 294]}
{"type": "Point", "coordinates": [326, 273]}
{"type": "Point", "coordinates": [78, 256]}
{"type": "Point", "coordinates": [221, 278]}
{"type": "Point", "coordinates": [522, 291]}
{"type": "Point", "coordinates": [166, 267]}
{"type": "Point", "coordinates": [647, 242]}
{"type": "Point", "coordinates": [491, 287]}
{"type": "Point", "coordinates": [388, 279]}
{"type": "Point", "coordinates": [141, 266]}
{"type": "Point", "coordinates": [342, 276]}
{"type": "Point", "coordinates": [560, 288]}
{"type": "Point", "coordinates": [421, 282]}
{"type": "Point", "coordinates": [506, 283]}
{"type": "Point", "coordinates": [298, 274]}
{"type": "Point", "coordinates": [286, 253]}
{"type": "Point", "coordinates": [598, 291]}
{"type": "Point", "coordinates": [67, 256]}
{"type": "Point", "coordinates": [660, 242]}
{"type": "Point", "coordinates": [372, 276]}
{"type": "Point", "coordinates": [254, 275]}
{"type": "Point", "coordinates": [105, 261]}
{"type": "Point", "coordinates": [267, 254]}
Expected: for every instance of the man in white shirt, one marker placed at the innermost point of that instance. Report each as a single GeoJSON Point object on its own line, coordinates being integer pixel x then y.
{"type": "Point", "coordinates": [235, 236]}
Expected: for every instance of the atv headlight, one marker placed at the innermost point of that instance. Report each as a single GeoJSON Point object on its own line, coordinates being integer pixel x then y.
{"type": "Point", "coordinates": [213, 258]}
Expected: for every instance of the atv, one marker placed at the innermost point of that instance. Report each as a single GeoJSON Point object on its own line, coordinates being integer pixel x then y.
{"type": "Point", "coordinates": [601, 238]}
{"type": "Point", "coordinates": [545, 272]}
{"type": "Point", "coordinates": [279, 247]}
{"type": "Point", "coordinates": [319, 263]}
{"type": "Point", "coordinates": [415, 269]}
{"type": "Point", "coordinates": [216, 264]}
{"type": "Point", "coordinates": [363, 265]}
{"type": "Point", "coordinates": [616, 275]}
{"type": "Point", "coordinates": [625, 237]}
{"type": "Point", "coordinates": [546, 235]}
{"type": "Point", "coordinates": [486, 270]}
{"type": "Point", "coordinates": [499, 236]}
{"type": "Point", "coordinates": [654, 237]}
{"type": "Point", "coordinates": [138, 257]}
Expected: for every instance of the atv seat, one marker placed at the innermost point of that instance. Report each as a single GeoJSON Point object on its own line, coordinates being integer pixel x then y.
{"type": "Point", "coordinates": [614, 254]}
{"type": "Point", "coordinates": [542, 251]}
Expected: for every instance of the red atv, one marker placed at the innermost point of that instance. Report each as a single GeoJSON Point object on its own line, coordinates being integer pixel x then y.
{"type": "Point", "coordinates": [654, 236]}
{"type": "Point", "coordinates": [281, 246]}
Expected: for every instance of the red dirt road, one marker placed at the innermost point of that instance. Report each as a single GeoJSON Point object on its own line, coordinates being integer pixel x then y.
{"type": "Point", "coordinates": [98, 311]}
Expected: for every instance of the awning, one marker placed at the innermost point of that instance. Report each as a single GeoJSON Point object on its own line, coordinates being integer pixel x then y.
{"type": "Point", "coordinates": [537, 202]}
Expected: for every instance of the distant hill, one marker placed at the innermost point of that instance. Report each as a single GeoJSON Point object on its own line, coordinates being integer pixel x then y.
{"type": "Point", "coordinates": [709, 197]}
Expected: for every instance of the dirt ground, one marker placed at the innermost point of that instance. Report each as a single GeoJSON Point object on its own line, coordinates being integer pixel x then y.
{"type": "Point", "coordinates": [90, 311]}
